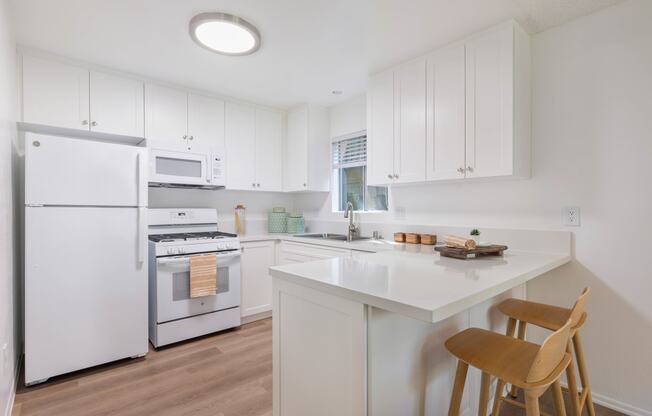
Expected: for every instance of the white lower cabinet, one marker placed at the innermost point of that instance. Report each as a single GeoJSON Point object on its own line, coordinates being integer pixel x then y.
{"type": "Point", "coordinates": [257, 258]}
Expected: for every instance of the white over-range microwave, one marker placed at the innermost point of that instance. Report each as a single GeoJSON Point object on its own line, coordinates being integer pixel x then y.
{"type": "Point", "coordinates": [176, 167]}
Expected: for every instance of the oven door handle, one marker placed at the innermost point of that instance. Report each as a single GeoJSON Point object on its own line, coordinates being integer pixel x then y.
{"type": "Point", "coordinates": [185, 259]}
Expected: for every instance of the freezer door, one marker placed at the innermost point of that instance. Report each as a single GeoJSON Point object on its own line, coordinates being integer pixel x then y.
{"type": "Point", "coordinates": [85, 288]}
{"type": "Point", "coordinates": [64, 171]}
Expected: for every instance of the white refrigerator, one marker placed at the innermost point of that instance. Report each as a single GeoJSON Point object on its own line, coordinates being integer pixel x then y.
{"type": "Point", "coordinates": [85, 254]}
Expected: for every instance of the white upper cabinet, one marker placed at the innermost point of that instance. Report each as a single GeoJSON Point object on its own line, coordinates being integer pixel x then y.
{"type": "Point", "coordinates": [269, 150]}
{"type": "Point", "coordinates": [205, 121]}
{"type": "Point", "coordinates": [307, 164]}
{"type": "Point", "coordinates": [116, 105]}
{"type": "Point", "coordinates": [166, 114]}
{"type": "Point", "coordinates": [492, 136]}
{"type": "Point", "coordinates": [55, 94]}
{"type": "Point", "coordinates": [183, 119]}
{"type": "Point", "coordinates": [397, 125]}
{"type": "Point", "coordinates": [410, 122]}
{"type": "Point", "coordinates": [380, 129]}
{"type": "Point", "coordinates": [254, 148]}
{"type": "Point", "coordinates": [240, 135]}
{"type": "Point", "coordinates": [477, 113]}
{"type": "Point", "coordinates": [445, 144]}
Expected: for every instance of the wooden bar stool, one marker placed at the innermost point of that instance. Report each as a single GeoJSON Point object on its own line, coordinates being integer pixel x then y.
{"type": "Point", "coordinates": [552, 318]}
{"type": "Point", "coordinates": [529, 366]}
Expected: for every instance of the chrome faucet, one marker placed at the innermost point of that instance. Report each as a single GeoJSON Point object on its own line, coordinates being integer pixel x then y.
{"type": "Point", "coordinates": [353, 229]}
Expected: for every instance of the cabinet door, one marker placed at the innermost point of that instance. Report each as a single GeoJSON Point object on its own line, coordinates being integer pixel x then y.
{"type": "Point", "coordinates": [240, 136]}
{"type": "Point", "coordinates": [257, 258]}
{"type": "Point", "coordinates": [116, 105]}
{"type": "Point", "coordinates": [410, 124]}
{"type": "Point", "coordinates": [55, 94]}
{"type": "Point", "coordinates": [205, 122]}
{"type": "Point", "coordinates": [490, 104]}
{"type": "Point", "coordinates": [295, 175]}
{"type": "Point", "coordinates": [380, 129]}
{"type": "Point", "coordinates": [166, 114]}
{"type": "Point", "coordinates": [445, 142]}
{"type": "Point", "coordinates": [269, 150]}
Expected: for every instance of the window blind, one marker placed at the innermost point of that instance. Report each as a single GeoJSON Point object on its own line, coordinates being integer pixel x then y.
{"type": "Point", "coordinates": [350, 152]}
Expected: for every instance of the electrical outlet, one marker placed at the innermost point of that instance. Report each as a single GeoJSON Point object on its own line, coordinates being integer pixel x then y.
{"type": "Point", "coordinates": [5, 357]}
{"type": "Point", "coordinates": [400, 213]}
{"type": "Point", "coordinates": [572, 216]}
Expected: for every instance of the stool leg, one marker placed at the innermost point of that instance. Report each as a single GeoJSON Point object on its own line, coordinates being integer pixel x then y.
{"type": "Point", "coordinates": [484, 394]}
{"type": "Point", "coordinates": [572, 385]}
{"type": "Point", "coordinates": [558, 397]}
{"type": "Point", "coordinates": [458, 388]}
{"type": "Point", "coordinates": [521, 335]}
{"type": "Point", "coordinates": [500, 385]}
{"type": "Point", "coordinates": [584, 375]}
{"type": "Point", "coordinates": [531, 403]}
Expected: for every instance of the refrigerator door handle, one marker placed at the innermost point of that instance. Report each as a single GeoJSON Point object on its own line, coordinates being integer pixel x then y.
{"type": "Point", "coordinates": [141, 177]}
{"type": "Point", "coordinates": [142, 234]}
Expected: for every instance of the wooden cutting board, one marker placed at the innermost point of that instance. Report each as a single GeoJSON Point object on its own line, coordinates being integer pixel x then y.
{"type": "Point", "coordinates": [462, 253]}
{"type": "Point", "coordinates": [203, 275]}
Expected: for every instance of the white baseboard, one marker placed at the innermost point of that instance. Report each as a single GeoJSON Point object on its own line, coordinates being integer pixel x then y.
{"type": "Point", "coordinates": [616, 405]}
{"type": "Point", "coordinates": [619, 406]}
{"type": "Point", "coordinates": [256, 317]}
{"type": "Point", "coordinates": [14, 382]}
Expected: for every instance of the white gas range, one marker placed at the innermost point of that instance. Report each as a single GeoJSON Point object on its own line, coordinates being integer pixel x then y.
{"type": "Point", "coordinates": [175, 235]}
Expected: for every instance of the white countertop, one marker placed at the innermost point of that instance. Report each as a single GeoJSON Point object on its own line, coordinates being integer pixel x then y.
{"type": "Point", "coordinates": [421, 285]}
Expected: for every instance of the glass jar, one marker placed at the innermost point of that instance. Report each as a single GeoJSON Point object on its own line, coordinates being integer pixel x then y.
{"type": "Point", "coordinates": [240, 219]}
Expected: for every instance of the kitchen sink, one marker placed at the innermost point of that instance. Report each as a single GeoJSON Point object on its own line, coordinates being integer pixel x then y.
{"type": "Point", "coordinates": [330, 236]}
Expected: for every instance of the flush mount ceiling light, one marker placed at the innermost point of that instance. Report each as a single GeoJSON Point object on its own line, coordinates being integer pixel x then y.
{"type": "Point", "coordinates": [224, 33]}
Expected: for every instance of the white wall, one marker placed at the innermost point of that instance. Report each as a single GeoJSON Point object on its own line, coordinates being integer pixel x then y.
{"type": "Point", "coordinates": [9, 304]}
{"type": "Point", "coordinates": [349, 116]}
{"type": "Point", "coordinates": [592, 148]}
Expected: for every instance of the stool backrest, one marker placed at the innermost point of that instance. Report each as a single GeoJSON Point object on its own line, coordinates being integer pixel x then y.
{"type": "Point", "coordinates": [578, 308]}
{"type": "Point", "coordinates": [550, 354]}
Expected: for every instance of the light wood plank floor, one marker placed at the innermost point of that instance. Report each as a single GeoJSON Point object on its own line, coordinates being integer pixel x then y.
{"type": "Point", "coordinates": [228, 374]}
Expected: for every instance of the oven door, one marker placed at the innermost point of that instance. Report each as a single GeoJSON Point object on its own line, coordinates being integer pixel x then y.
{"type": "Point", "coordinates": [173, 287]}
{"type": "Point", "coordinates": [179, 168]}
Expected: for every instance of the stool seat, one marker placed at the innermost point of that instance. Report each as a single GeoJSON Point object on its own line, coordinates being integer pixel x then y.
{"type": "Point", "coordinates": [507, 358]}
{"type": "Point", "coordinates": [539, 314]}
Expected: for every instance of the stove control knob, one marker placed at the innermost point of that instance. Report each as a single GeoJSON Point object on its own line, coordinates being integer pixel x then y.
{"type": "Point", "coordinates": [171, 250]}
{"type": "Point", "coordinates": [181, 250]}
{"type": "Point", "coordinates": [221, 246]}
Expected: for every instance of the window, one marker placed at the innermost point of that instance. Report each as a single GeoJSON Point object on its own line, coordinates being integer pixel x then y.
{"type": "Point", "coordinates": [350, 176]}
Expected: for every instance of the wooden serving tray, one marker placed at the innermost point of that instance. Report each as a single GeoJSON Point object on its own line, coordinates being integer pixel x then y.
{"type": "Point", "coordinates": [462, 253]}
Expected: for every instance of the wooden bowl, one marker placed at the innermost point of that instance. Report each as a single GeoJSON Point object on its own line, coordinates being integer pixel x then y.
{"type": "Point", "coordinates": [412, 238]}
{"type": "Point", "coordinates": [399, 237]}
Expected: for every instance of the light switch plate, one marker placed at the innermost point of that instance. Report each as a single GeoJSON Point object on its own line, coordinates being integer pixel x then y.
{"type": "Point", "coordinates": [400, 213]}
{"type": "Point", "coordinates": [572, 216]}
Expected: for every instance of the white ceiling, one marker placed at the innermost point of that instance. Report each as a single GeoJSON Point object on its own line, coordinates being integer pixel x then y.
{"type": "Point", "coordinates": [309, 47]}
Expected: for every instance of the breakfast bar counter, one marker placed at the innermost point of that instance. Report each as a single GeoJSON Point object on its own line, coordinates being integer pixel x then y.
{"type": "Point", "coordinates": [364, 335]}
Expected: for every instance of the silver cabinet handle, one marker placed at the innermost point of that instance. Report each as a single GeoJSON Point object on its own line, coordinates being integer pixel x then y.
{"type": "Point", "coordinates": [191, 137]}
{"type": "Point", "coordinates": [395, 176]}
{"type": "Point", "coordinates": [253, 185]}
{"type": "Point", "coordinates": [469, 169]}
{"type": "Point", "coordinates": [84, 122]}
{"type": "Point", "coordinates": [389, 176]}
{"type": "Point", "coordinates": [304, 185]}
{"type": "Point", "coordinates": [460, 170]}
{"type": "Point", "coordinates": [184, 137]}
{"type": "Point", "coordinates": [257, 185]}
{"type": "Point", "coordinates": [93, 123]}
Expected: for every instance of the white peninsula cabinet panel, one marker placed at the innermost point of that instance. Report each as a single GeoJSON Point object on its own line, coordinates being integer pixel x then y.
{"type": "Point", "coordinates": [55, 94]}
{"type": "Point", "coordinates": [445, 144]}
{"type": "Point", "coordinates": [257, 258]}
{"type": "Point", "coordinates": [397, 125]}
{"type": "Point", "coordinates": [166, 114]}
{"type": "Point", "coordinates": [307, 164]}
{"type": "Point", "coordinates": [116, 105]}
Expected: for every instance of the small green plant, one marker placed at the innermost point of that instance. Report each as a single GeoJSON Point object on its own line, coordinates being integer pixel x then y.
{"type": "Point", "coordinates": [475, 231]}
